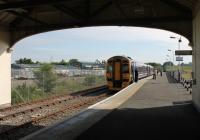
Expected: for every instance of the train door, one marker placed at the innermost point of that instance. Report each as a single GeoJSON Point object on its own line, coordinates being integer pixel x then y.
{"type": "Point", "coordinates": [117, 79]}
{"type": "Point", "coordinates": [133, 71]}
{"type": "Point", "coordinates": [147, 71]}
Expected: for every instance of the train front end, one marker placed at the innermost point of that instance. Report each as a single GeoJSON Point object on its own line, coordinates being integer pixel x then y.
{"type": "Point", "coordinates": [118, 73]}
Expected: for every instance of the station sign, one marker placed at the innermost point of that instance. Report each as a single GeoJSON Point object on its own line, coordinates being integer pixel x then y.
{"type": "Point", "coordinates": [183, 52]}
{"type": "Point", "coordinates": [179, 58]}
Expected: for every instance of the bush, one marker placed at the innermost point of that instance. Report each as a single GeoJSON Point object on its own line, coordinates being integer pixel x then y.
{"type": "Point", "coordinates": [90, 80]}
{"type": "Point", "coordinates": [24, 93]}
{"type": "Point", "coordinates": [45, 77]}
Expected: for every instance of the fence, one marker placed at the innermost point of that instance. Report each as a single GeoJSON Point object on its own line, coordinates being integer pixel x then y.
{"type": "Point", "coordinates": [183, 77]}
{"type": "Point", "coordinates": [28, 85]}
{"type": "Point", "coordinates": [29, 74]}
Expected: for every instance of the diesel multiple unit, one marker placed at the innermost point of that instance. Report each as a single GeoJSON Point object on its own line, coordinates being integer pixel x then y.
{"type": "Point", "coordinates": [122, 71]}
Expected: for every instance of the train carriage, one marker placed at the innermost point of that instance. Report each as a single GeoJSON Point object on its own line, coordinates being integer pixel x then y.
{"type": "Point", "coordinates": [120, 72]}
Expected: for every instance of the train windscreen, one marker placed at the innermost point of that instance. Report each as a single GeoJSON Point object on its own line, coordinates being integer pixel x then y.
{"type": "Point", "coordinates": [109, 68]}
{"type": "Point", "coordinates": [125, 68]}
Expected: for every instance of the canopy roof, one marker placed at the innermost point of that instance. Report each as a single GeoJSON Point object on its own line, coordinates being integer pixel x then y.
{"type": "Point", "coordinates": [23, 18]}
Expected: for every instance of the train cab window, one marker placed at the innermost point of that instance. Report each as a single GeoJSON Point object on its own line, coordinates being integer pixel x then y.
{"type": "Point", "coordinates": [109, 68]}
{"type": "Point", "coordinates": [125, 68]}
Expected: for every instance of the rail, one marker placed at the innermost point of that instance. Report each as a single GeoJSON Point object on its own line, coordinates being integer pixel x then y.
{"type": "Point", "coordinates": [28, 117]}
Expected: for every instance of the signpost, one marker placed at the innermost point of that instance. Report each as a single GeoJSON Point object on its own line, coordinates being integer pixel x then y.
{"type": "Point", "coordinates": [183, 52]}
{"type": "Point", "coordinates": [179, 58]}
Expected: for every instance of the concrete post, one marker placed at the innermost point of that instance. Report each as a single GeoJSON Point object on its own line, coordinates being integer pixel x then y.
{"type": "Point", "coordinates": [196, 58]}
{"type": "Point", "coordinates": [5, 71]}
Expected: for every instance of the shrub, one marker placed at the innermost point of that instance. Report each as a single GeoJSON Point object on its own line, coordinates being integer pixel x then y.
{"type": "Point", "coordinates": [24, 93]}
{"type": "Point", "coordinates": [90, 80]}
{"type": "Point", "coordinates": [45, 77]}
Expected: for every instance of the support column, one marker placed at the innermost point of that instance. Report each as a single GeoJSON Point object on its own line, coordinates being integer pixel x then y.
{"type": "Point", "coordinates": [196, 59]}
{"type": "Point", "coordinates": [5, 71]}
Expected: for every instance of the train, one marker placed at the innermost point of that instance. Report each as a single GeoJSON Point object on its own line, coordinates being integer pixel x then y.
{"type": "Point", "coordinates": [122, 71]}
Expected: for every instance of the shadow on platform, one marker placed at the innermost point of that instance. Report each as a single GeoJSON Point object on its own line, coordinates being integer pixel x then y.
{"type": "Point", "coordinates": [17, 133]}
{"type": "Point", "coordinates": [169, 122]}
{"type": "Point", "coordinates": [170, 79]}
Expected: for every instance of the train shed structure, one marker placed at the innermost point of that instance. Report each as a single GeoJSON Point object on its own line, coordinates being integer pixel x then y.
{"type": "Point", "coordinates": [22, 18]}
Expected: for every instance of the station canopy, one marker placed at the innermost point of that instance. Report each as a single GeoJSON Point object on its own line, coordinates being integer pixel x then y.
{"type": "Point", "coordinates": [21, 18]}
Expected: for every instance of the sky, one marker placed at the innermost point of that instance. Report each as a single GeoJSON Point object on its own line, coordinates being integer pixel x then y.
{"type": "Point", "coordinates": [91, 43]}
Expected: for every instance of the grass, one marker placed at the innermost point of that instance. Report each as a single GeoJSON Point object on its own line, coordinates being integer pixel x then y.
{"type": "Point", "coordinates": [187, 76]}
{"type": "Point", "coordinates": [26, 92]}
{"type": "Point", "coordinates": [186, 71]}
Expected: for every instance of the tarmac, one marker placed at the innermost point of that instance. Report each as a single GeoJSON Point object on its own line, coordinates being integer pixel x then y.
{"type": "Point", "coordinates": [161, 109]}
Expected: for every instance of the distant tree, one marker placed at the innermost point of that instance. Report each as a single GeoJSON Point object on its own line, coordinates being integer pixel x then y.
{"type": "Point", "coordinates": [45, 77]}
{"type": "Point", "coordinates": [24, 61]}
{"type": "Point", "coordinates": [154, 64]}
{"type": "Point", "coordinates": [62, 62]}
{"type": "Point", "coordinates": [54, 63]}
{"type": "Point", "coordinates": [97, 61]}
{"type": "Point", "coordinates": [37, 62]}
{"type": "Point", "coordinates": [103, 62]}
{"type": "Point", "coordinates": [166, 65]}
{"type": "Point", "coordinates": [74, 62]}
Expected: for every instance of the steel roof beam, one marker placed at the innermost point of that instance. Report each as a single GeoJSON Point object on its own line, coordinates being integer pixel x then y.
{"type": "Point", "coordinates": [177, 6]}
{"type": "Point", "coordinates": [87, 9]}
{"type": "Point", "coordinates": [102, 8]}
{"type": "Point", "coordinates": [129, 22]}
{"type": "Point", "coordinates": [120, 8]}
{"type": "Point", "coordinates": [68, 11]}
{"type": "Point", "coordinates": [29, 3]}
{"type": "Point", "coordinates": [25, 16]}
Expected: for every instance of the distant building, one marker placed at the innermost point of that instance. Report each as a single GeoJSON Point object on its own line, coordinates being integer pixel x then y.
{"type": "Point", "coordinates": [25, 66]}
{"type": "Point", "coordinates": [25, 71]}
{"type": "Point", "coordinates": [92, 65]}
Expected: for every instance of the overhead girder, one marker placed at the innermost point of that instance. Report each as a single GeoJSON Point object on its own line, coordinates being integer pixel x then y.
{"type": "Point", "coordinates": [69, 11]}
{"type": "Point", "coordinates": [129, 21]}
{"type": "Point", "coordinates": [29, 3]}
{"type": "Point", "coordinates": [159, 23]}
{"type": "Point", "coordinates": [27, 17]}
{"type": "Point", "coordinates": [174, 4]}
{"type": "Point", "coordinates": [89, 15]}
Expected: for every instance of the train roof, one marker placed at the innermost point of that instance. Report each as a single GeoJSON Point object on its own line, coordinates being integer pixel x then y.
{"type": "Point", "coordinates": [120, 57]}
{"type": "Point", "coordinates": [129, 58]}
{"type": "Point", "coordinates": [142, 64]}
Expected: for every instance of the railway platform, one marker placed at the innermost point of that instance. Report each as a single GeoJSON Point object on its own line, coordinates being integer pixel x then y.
{"type": "Point", "coordinates": [149, 109]}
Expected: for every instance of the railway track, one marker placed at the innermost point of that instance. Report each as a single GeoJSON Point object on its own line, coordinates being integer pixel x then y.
{"type": "Point", "coordinates": [15, 123]}
{"type": "Point", "coordinates": [81, 93]}
{"type": "Point", "coordinates": [34, 106]}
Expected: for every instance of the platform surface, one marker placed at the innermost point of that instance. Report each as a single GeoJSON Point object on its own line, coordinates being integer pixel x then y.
{"type": "Point", "coordinates": [161, 109]}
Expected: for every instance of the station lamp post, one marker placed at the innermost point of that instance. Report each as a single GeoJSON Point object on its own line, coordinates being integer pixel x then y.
{"type": "Point", "coordinates": [179, 41]}
{"type": "Point", "coordinates": [169, 61]}
{"type": "Point", "coordinates": [172, 57]}
{"type": "Point", "coordinates": [178, 58]}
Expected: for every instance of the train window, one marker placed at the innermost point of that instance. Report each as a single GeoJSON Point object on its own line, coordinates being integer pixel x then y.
{"type": "Point", "coordinates": [109, 68]}
{"type": "Point", "coordinates": [125, 68]}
